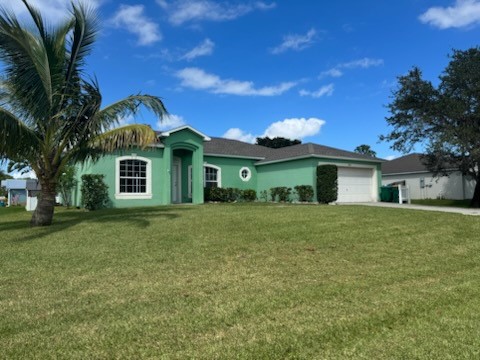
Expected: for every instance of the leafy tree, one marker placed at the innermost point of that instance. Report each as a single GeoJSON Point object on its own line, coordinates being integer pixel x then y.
{"type": "Point", "coordinates": [4, 176]}
{"type": "Point", "coordinates": [276, 142]}
{"type": "Point", "coordinates": [66, 183]}
{"type": "Point", "coordinates": [444, 118]}
{"type": "Point", "coordinates": [50, 111]}
{"type": "Point", "coordinates": [366, 150]}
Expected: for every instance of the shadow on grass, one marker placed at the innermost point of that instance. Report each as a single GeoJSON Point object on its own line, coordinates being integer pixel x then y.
{"type": "Point", "coordinates": [65, 219]}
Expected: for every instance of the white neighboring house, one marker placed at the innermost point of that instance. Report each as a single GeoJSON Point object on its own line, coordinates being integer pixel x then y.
{"type": "Point", "coordinates": [22, 192]}
{"type": "Point", "coordinates": [411, 171]}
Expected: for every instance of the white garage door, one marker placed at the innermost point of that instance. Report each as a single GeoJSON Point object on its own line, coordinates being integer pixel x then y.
{"type": "Point", "coordinates": [355, 184]}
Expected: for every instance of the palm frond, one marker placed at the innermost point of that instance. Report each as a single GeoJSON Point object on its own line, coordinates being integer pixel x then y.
{"type": "Point", "coordinates": [125, 137]}
{"type": "Point", "coordinates": [26, 65]}
{"type": "Point", "coordinates": [111, 114]}
{"type": "Point", "coordinates": [16, 139]}
{"type": "Point", "coordinates": [85, 30]}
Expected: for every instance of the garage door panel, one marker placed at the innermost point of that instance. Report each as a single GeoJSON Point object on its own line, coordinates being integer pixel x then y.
{"type": "Point", "coordinates": [355, 184]}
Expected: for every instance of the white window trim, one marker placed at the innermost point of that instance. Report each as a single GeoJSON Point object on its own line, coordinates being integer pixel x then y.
{"type": "Point", "coordinates": [249, 176]}
{"type": "Point", "coordinates": [219, 174]}
{"type": "Point", "coordinates": [123, 196]}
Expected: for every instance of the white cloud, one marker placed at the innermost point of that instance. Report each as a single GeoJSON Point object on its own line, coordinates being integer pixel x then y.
{"type": "Point", "coordinates": [326, 90]}
{"type": "Point", "coordinates": [363, 63]}
{"type": "Point", "coordinates": [463, 13]}
{"type": "Point", "coordinates": [198, 79]}
{"type": "Point", "coordinates": [295, 42]}
{"type": "Point", "coordinates": [53, 10]}
{"type": "Point", "coordinates": [203, 49]}
{"type": "Point", "coordinates": [333, 72]}
{"type": "Point", "coordinates": [171, 121]}
{"type": "Point", "coordinates": [239, 134]}
{"type": "Point", "coordinates": [133, 19]}
{"type": "Point", "coordinates": [182, 11]}
{"type": "Point", "coordinates": [294, 128]}
{"type": "Point", "coordinates": [391, 157]}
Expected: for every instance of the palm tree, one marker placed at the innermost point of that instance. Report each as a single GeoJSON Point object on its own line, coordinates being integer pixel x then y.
{"type": "Point", "coordinates": [50, 112]}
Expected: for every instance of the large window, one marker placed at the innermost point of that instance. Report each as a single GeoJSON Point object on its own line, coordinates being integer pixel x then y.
{"type": "Point", "coordinates": [212, 176]}
{"type": "Point", "coordinates": [133, 178]}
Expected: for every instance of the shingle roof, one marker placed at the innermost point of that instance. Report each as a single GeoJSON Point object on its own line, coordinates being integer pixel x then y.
{"type": "Point", "coordinates": [265, 155]}
{"type": "Point", "coordinates": [310, 149]}
{"type": "Point", "coordinates": [406, 164]}
{"type": "Point", "coordinates": [228, 147]}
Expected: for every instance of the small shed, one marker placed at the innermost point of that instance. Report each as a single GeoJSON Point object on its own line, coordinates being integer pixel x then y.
{"type": "Point", "coordinates": [22, 192]}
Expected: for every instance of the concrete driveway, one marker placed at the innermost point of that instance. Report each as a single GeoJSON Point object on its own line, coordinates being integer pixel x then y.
{"type": "Point", "coordinates": [464, 211]}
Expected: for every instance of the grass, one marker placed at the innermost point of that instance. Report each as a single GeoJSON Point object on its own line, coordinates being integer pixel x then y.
{"type": "Point", "coordinates": [241, 281]}
{"type": "Point", "coordinates": [443, 202]}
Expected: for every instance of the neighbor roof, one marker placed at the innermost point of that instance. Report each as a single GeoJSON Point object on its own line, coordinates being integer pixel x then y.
{"type": "Point", "coordinates": [406, 164]}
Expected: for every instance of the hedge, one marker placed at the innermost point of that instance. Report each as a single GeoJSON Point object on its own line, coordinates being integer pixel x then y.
{"type": "Point", "coordinates": [327, 183]}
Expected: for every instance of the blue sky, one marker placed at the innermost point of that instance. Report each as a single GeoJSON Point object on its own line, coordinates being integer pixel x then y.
{"type": "Point", "coordinates": [316, 70]}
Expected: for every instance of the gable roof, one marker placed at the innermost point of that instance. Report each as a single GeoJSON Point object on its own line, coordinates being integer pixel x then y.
{"type": "Point", "coordinates": [216, 146]}
{"type": "Point", "coordinates": [266, 155]}
{"type": "Point", "coordinates": [184, 127]}
{"type": "Point", "coordinates": [411, 163]}
{"type": "Point", "coordinates": [314, 150]}
{"type": "Point", "coordinates": [235, 148]}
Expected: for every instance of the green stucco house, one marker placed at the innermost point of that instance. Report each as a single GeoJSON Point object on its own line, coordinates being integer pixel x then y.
{"type": "Point", "coordinates": [177, 169]}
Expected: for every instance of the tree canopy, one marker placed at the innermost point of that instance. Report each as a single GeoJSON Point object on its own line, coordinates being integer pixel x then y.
{"type": "Point", "coordinates": [276, 142]}
{"type": "Point", "coordinates": [51, 112]}
{"type": "Point", "coordinates": [365, 149]}
{"type": "Point", "coordinates": [445, 119]}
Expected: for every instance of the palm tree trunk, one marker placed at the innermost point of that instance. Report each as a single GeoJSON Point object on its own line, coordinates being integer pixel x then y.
{"type": "Point", "coordinates": [475, 203]}
{"type": "Point", "coordinates": [43, 214]}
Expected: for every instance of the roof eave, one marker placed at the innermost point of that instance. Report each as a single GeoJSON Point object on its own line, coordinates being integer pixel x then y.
{"type": "Point", "coordinates": [235, 156]}
{"type": "Point", "coordinates": [318, 157]}
{"type": "Point", "coordinates": [184, 127]}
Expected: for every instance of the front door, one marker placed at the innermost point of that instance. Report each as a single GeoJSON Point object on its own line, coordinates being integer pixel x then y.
{"type": "Point", "coordinates": [176, 181]}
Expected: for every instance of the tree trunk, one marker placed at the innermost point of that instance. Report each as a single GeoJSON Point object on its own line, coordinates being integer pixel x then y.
{"type": "Point", "coordinates": [475, 203]}
{"type": "Point", "coordinates": [43, 214]}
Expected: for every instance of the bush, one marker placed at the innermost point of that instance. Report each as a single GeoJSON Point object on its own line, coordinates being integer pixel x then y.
{"type": "Point", "coordinates": [222, 194]}
{"type": "Point", "coordinates": [66, 183]}
{"type": "Point", "coordinates": [94, 192]}
{"type": "Point", "coordinates": [305, 192]}
{"type": "Point", "coordinates": [327, 183]}
{"type": "Point", "coordinates": [280, 192]}
{"type": "Point", "coordinates": [249, 195]}
{"type": "Point", "coordinates": [264, 195]}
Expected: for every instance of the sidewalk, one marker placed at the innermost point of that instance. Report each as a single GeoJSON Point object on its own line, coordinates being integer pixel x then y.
{"type": "Point", "coordinates": [464, 211]}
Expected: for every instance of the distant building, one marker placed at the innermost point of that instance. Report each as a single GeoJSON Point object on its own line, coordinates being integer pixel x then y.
{"type": "Point", "coordinates": [22, 192]}
{"type": "Point", "coordinates": [409, 170]}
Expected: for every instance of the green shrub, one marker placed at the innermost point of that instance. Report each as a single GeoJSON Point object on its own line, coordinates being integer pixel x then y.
{"type": "Point", "coordinates": [305, 192]}
{"type": "Point", "coordinates": [264, 195]}
{"type": "Point", "coordinates": [249, 195]}
{"type": "Point", "coordinates": [66, 183]}
{"type": "Point", "coordinates": [222, 194]}
{"type": "Point", "coordinates": [282, 193]}
{"type": "Point", "coordinates": [94, 192]}
{"type": "Point", "coordinates": [327, 183]}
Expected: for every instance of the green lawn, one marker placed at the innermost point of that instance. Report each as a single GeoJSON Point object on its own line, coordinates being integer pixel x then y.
{"type": "Point", "coordinates": [443, 202]}
{"type": "Point", "coordinates": [241, 281]}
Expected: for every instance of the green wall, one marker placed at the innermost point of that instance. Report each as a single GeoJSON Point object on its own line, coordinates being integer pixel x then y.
{"type": "Point", "coordinates": [106, 166]}
{"type": "Point", "coordinates": [288, 173]}
{"type": "Point", "coordinates": [231, 171]}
